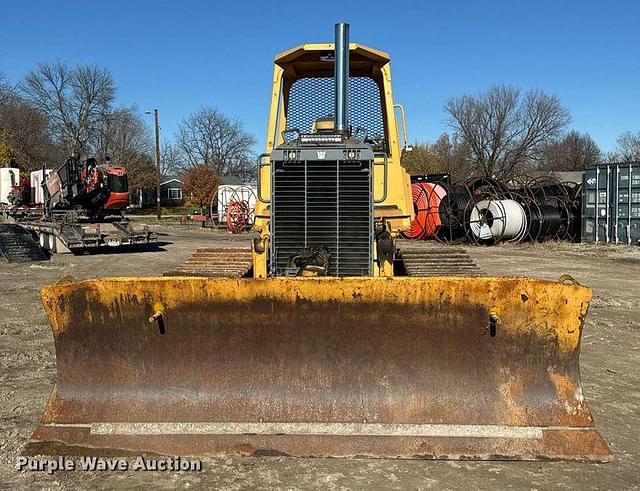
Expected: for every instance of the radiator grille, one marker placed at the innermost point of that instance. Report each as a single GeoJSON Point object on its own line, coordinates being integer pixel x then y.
{"type": "Point", "coordinates": [316, 203]}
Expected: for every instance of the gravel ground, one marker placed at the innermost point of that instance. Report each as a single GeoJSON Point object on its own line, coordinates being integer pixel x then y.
{"type": "Point", "coordinates": [610, 373]}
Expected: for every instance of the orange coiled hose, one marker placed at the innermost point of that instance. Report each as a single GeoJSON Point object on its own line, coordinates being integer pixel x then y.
{"type": "Point", "coordinates": [426, 206]}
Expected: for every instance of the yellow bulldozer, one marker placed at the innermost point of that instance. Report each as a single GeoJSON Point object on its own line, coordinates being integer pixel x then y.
{"type": "Point", "coordinates": [323, 338]}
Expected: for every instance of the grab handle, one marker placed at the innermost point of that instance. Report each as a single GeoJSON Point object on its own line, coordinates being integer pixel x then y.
{"type": "Point", "coordinates": [260, 166]}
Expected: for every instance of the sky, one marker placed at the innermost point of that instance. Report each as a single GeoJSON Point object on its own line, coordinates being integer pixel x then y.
{"type": "Point", "coordinates": [179, 56]}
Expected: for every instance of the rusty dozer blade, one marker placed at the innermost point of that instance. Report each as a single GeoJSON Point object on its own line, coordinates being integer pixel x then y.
{"type": "Point", "coordinates": [473, 368]}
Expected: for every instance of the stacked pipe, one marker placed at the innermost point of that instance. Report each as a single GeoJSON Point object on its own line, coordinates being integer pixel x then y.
{"type": "Point", "coordinates": [488, 211]}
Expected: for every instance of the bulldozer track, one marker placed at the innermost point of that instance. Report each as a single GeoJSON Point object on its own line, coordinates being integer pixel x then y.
{"type": "Point", "coordinates": [418, 259]}
{"type": "Point", "coordinates": [216, 262]}
{"type": "Point", "coordinates": [17, 245]}
{"type": "Point", "coordinates": [426, 259]}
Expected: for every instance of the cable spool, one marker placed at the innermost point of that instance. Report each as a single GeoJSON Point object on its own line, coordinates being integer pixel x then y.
{"type": "Point", "coordinates": [234, 207]}
{"type": "Point", "coordinates": [485, 210]}
{"type": "Point", "coordinates": [495, 220]}
{"type": "Point", "coordinates": [434, 221]}
{"type": "Point", "coordinates": [238, 213]}
{"type": "Point", "coordinates": [549, 192]}
{"type": "Point", "coordinates": [488, 187]}
{"type": "Point", "coordinates": [544, 222]}
{"type": "Point", "coordinates": [427, 197]}
{"type": "Point", "coordinates": [452, 210]}
{"type": "Point", "coordinates": [420, 205]}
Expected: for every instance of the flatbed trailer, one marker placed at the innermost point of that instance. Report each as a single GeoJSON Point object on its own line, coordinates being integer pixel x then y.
{"type": "Point", "coordinates": [62, 236]}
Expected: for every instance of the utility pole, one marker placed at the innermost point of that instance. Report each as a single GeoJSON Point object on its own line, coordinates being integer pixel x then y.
{"type": "Point", "coordinates": [155, 117]}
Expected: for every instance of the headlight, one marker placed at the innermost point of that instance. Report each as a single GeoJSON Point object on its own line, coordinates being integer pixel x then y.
{"type": "Point", "coordinates": [351, 154]}
{"type": "Point", "coordinates": [319, 138]}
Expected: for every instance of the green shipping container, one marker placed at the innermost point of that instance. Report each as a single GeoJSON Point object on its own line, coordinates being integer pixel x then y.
{"type": "Point", "coordinates": [611, 204]}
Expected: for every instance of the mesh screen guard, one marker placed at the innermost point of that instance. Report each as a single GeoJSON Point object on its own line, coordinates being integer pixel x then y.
{"type": "Point", "coordinates": [311, 98]}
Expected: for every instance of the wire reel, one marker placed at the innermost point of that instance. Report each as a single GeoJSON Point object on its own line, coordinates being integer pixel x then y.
{"type": "Point", "coordinates": [417, 229]}
{"type": "Point", "coordinates": [234, 207]}
{"type": "Point", "coordinates": [497, 220]}
{"type": "Point", "coordinates": [427, 197]}
{"type": "Point", "coordinates": [485, 210]}
{"type": "Point", "coordinates": [453, 211]}
{"type": "Point", "coordinates": [237, 216]}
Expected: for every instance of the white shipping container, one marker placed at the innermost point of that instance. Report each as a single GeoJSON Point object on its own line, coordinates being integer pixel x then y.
{"type": "Point", "coordinates": [37, 193]}
{"type": "Point", "coordinates": [236, 192]}
{"type": "Point", "coordinates": [9, 177]}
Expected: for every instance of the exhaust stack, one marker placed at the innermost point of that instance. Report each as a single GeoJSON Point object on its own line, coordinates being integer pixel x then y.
{"type": "Point", "coordinates": [341, 77]}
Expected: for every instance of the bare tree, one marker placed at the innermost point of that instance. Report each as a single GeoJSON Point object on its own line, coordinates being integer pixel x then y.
{"type": "Point", "coordinates": [74, 98]}
{"type": "Point", "coordinates": [120, 133]}
{"type": "Point", "coordinates": [25, 137]}
{"type": "Point", "coordinates": [504, 129]}
{"type": "Point", "coordinates": [7, 92]}
{"type": "Point", "coordinates": [574, 152]}
{"type": "Point", "coordinates": [627, 147]}
{"type": "Point", "coordinates": [171, 159]}
{"type": "Point", "coordinates": [141, 170]}
{"type": "Point", "coordinates": [209, 137]}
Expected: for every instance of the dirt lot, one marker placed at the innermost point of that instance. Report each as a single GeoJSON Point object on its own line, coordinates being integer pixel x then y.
{"type": "Point", "coordinates": [610, 372]}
